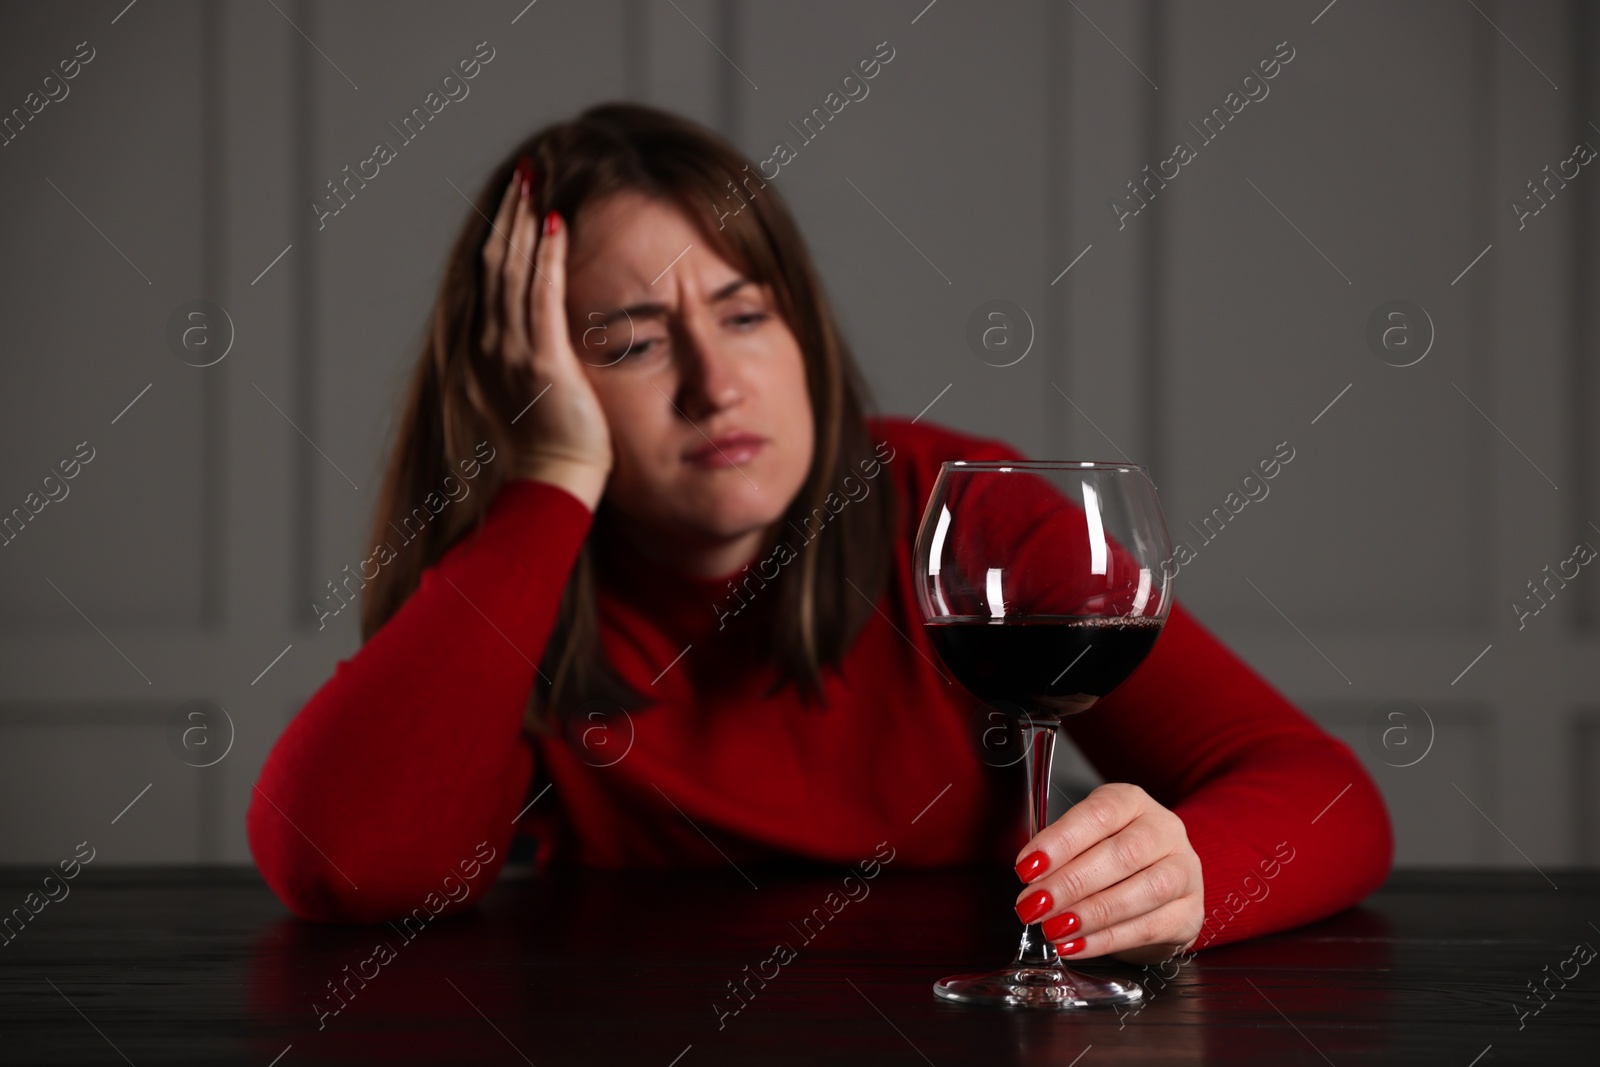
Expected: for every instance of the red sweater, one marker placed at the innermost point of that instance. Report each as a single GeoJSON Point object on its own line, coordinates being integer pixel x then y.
{"type": "Point", "coordinates": [412, 755]}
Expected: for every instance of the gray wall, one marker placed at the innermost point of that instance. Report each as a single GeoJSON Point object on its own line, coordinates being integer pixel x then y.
{"type": "Point", "coordinates": [1220, 320]}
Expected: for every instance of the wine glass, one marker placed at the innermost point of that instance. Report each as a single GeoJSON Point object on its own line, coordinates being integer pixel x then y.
{"type": "Point", "coordinates": [1041, 586]}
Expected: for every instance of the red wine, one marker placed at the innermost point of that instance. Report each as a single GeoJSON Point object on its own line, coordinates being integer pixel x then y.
{"type": "Point", "coordinates": [1049, 665]}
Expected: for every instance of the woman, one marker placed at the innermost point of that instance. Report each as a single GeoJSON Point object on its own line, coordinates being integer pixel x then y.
{"type": "Point", "coordinates": [670, 621]}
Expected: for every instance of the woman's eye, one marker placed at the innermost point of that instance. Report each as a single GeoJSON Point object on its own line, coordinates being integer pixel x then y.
{"type": "Point", "coordinates": [749, 318]}
{"type": "Point", "coordinates": [639, 348]}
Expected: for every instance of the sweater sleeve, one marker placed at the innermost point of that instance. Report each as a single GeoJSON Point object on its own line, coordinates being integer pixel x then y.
{"type": "Point", "coordinates": [408, 765]}
{"type": "Point", "coordinates": [1288, 825]}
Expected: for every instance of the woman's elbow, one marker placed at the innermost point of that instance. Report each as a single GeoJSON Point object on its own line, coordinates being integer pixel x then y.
{"type": "Point", "coordinates": [1383, 836]}
{"type": "Point", "coordinates": [305, 880]}
{"type": "Point", "coordinates": [379, 885]}
{"type": "Point", "coordinates": [312, 885]}
{"type": "Point", "coordinates": [1365, 829]}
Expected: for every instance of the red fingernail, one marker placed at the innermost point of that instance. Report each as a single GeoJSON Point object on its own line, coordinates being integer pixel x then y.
{"type": "Point", "coordinates": [1032, 866]}
{"type": "Point", "coordinates": [525, 174]}
{"type": "Point", "coordinates": [551, 221]}
{"type": "Point", "coordinates": [1060, 926]}
{"type": "Point", "coordinates": [1068, 948]}
{"type": "Point", "coordinates": [1034, 905]}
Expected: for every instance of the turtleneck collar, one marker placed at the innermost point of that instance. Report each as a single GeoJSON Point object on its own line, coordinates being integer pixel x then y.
{"type": "Point", "coordinates": [686, 604]}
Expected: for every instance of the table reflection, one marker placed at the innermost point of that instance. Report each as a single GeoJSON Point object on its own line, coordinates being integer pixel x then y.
{"type": "Point", "coordinates": [643, 966]}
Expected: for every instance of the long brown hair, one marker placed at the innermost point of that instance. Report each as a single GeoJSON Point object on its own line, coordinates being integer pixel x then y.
{"type": "Point", "coordinates": [446, 412]}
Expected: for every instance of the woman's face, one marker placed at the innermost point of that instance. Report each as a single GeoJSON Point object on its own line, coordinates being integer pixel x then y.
{"type": "Point", "coordinates": [702, 383]}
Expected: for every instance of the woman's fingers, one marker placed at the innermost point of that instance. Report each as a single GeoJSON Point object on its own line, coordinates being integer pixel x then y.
{"type": "Point", "coordinates": [518, 269]}
{"type": "Point", "coordinates": [1102, 871]}
{"type": "Point", "coordinates": [1144, 892]}
{"type": "Point", "coordinates": [1104, 865]}
{"type": "Point", "coordinates": [495, 248]}
{"type": "Point", "coordinates": [1101, 814]}
{"type": "Point", "coordinates": [549, 290]}
{"type": "Point", "coordinates": [1146, 938]}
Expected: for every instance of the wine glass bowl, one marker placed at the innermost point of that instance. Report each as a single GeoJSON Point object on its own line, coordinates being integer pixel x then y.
{"type": "Point", "coordinates": [1041, 585]}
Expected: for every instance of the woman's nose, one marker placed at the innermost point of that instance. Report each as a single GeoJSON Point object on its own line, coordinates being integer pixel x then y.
{"type": "Point", "coordinates": [709, 378]}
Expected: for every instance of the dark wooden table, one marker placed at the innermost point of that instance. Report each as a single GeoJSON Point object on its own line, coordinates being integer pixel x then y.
{"type": "Point", "coordinates": [184, 965]}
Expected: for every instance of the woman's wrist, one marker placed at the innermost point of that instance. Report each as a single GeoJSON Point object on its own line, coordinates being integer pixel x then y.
{"type": "Point", "coordinates": [586, 481]}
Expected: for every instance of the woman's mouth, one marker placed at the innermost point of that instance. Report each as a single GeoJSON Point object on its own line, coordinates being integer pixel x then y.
{"type": "Point", "coordinates": [727, 450]}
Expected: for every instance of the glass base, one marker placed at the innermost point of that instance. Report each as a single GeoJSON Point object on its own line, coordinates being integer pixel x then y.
{"type": "Point", "coordinates": [1037, 987]}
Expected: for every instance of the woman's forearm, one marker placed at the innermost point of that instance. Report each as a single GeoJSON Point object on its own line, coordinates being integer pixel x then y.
{"type": "Point", "coordinates": [1288, 825]}
{"type": "Point", "coordinates": [1273, 861]}
{"type": "Point", "coordinates": [411, 754]}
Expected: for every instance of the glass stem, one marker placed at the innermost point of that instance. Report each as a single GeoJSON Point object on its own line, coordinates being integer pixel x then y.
{"type": "Point", "coordinates": [1040, 739]}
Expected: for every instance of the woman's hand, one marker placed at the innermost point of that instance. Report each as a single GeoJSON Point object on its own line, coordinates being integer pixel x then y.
{"type": "Point", "coordinates": [547, 402]}
{"type": "Point", "coordinates": [1115, 875]}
